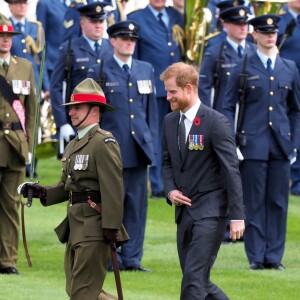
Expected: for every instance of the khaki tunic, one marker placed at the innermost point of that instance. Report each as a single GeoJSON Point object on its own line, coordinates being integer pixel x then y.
{"type": "Point", "coordinates": [14, 147]}
{"type": "Point", "coordinates": [98, 154]}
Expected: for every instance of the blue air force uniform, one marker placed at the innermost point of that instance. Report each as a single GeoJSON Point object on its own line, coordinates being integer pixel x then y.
{"type": "Point", "coordinates": [28, 45]}
{"type": "Point", "coordinates": [290, 50]}
{"type": "Point", "coordinates": [223, 65]}
{"type": "Point", "coordinates": [83, 57]}
{"type": "Point", "coordinates": [51, 14]}
{"type": "Point", "coordinates": [158, 46]}
{"type": "Point", "coordinates": [134, 125]}
{"type": "Point", "coordinates": [271, 124]}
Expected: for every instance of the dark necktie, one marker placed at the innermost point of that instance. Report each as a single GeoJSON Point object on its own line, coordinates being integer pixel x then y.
{"type": "Point", "coordinates": [19, 27]}
{"type": "Point", "coordinates": [5, 67]}
{"type": "Point", "coordinates": [298, 19]}
{"type": "Point", "coordinates": [161, 22]}
{"type": "Point", "coordinates": [181, 135]}
{"type": "Point", "coordinates": [97, 48]}
{"type": "Point", "coordinates": [240, 51]}
{"type": "Point", "coordinates": [126, 70]}
{"type": "Point", "coordinates": [269, 66]}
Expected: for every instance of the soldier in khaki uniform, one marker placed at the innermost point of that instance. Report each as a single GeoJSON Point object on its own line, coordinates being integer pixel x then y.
{"type": "Point", "coordinates": [91, 170]}
{"type": "Point", "coordinates": [16, 130]}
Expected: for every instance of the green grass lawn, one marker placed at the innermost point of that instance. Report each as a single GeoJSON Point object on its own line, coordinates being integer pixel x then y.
{"type": "Point", "coordinates": [45, 280]}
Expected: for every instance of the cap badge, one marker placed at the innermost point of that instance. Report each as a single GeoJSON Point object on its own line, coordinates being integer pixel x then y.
{"type": "Point", "coordinates": [131, 26]}
{"type": "Point", "coordinates": [242, 12]}
{"type": "Point", "coordinates": [235, 3]}
{"type": "Point", "coordinates": [98, 9]}
{"type": "Point", "coordinates": [269, 21]}
{"type": "Point", "coordinates": [5, 28]}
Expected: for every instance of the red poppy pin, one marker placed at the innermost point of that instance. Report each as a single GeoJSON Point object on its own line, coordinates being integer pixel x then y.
{"type": "Point", "coordinates": [197, 121]}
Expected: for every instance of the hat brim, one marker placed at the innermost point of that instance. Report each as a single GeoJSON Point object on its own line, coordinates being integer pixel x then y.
{"type": "Point", "coordinates": [106, 107]}
{"type": "Point", "coordinates": [10, 32]}
{"type": "Point", "coordinates": [125, 35]}
{"type": "Point", "coordinates": [266, 30]}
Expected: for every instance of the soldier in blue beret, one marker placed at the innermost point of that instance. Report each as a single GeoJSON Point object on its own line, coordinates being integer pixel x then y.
{"type": "Point", "coordinates": [270, 127]}
{"type": "Point", "coordinates": [288, 41]}
{"type": "Point", "coordinates": [74, 59]}
{"type": "Point", "coordinates": [128, 85]}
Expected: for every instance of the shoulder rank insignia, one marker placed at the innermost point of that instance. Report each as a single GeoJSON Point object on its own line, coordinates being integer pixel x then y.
{"type": "Point", "coordinates": [68, 24]}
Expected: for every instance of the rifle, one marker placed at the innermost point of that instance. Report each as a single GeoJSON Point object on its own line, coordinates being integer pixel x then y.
{"type": "Point", "coordinates": [102, 78]}
{"type": "Point", "coordinates": [241, 139]}
{"type": "Point", "coordinates": [288, 32]}
{"type": "Point", "coordinates": [217, 73]}
{"type": "Point", "coordinates": [68, 71]}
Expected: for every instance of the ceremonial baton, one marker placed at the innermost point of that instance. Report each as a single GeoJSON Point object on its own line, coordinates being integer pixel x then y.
{"type": "Point", "coordinates": [116, 269]}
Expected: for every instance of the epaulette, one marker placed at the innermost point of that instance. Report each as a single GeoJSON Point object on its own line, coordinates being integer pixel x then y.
{"type": "Point", "coordinates": [134, 11]}
{"type": "Point", "coordinates": [212, 35]}
{"type": "Point", "coordinates": [282, 12]}
{"type": "Point", "coordinates": [35, 22]}
{"type": "Point", "coordinates": [104, 132]}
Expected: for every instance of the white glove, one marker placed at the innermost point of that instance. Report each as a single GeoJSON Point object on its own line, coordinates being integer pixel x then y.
{"type": "Point", "coordinates": [293, 157]}
{"type": "Point", "coordinates": [65, 132]}
{"type": "Point", "coordinates": [29, 158]}
{"type": "Point", "coordinates": [239, 154]}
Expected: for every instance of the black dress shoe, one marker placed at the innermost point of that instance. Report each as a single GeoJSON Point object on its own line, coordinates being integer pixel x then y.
{"type": "Point", "coordinates": [9, 270]}
{"type": "Point", "coordinates": [156, 195]}
{"type": "Point", "coordinates": [257, 266]}
{"type": "Point", "coordinates": [138, 268]}
{"type": "Point", "coordinates": [275, 266]}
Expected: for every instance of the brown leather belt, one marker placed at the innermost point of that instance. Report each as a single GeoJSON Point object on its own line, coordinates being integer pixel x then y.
{"type": "Point", "coordinates": [84, 197]}
{"type": "Point", "coordinates": [10, 126]}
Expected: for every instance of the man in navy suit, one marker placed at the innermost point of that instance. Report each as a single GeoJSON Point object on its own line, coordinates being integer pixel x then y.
{"type": "Point", "coordinates": [271, 129]}
{"type": "Point", "coordinates": [128, 85]}
{"type": "Point", "coordinates": [77, 56]}
{"type": "Point", "coordinates": [234, 47]}
{"type": "Point", "coordinates": [202, 180]}
{"type": "Point", "coordinates": [290, 49]}
{"type": "Point", "coordinates": [159, 46]}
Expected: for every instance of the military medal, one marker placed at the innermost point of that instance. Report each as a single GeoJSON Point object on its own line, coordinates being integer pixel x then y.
{"type": "Point", "coordinates": [191, 142]}
{"type": "Point", "coordinates": [25, 87]}
{"type": "Point", "coordinates": [17, 86]}
{"type": "Point", "coordinates": [201, 144]}
{"type": "Point", "coordinates": [196, 146]}
{"type": "Point", "coordinates": [81, 162]}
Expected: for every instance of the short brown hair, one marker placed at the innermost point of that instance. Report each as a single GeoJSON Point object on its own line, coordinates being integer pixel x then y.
{"type": "Point", "coordinates": [183, 73]}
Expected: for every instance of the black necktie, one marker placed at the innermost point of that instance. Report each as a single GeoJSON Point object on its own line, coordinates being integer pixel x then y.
{"type": "Point", "coordinates": [181, 135]}
{"type": "Point", "coordinates": [97, 48]}
{"type": "Point", "coordinates": [126, 70]}
{"type": "Point", "coordinates": [5, 67]}
{"type": "Point", "coordinates": [240, 51]}
{"type": "Point", "coordinates": [269, 66]}
{"type": "Point", "coordinates": [298, 19]}
{"type": "Point", "coordinates": [161, 22]}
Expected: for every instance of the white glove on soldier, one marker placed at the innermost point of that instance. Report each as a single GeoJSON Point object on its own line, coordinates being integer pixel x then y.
{"type": "Point", "coordinates": [65, 132]}
{"type": "Point", "coordinates": [239, 154]}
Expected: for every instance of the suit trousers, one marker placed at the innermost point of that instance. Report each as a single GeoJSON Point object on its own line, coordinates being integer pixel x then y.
{"type": "Point", "coordinates": [86, 268]}
{"type": "Point", "coordinates": [266, 191]}
{"type": "Point", "coordinates": [198, 243]}
{"type": "Point", "coordinates": [11, 177]}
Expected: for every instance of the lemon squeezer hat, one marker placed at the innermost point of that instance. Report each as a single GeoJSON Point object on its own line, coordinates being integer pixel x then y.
{"type": "Point", "coordinates": [89, 92]}
{"type": "Point", "coordinates": [6, 26]}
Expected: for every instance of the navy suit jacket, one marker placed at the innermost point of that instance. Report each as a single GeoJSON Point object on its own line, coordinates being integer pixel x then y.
{"type": "Point", "coordinates": [208, 69]}
{"type": "Point", "coordinates": [134, 123]}
{"type": "Point", "coordinates": [83, 58]}
{"type": "Point", "coordinates": [272, 107]}
{"type": "Point", "coordinates": [209, 177]}
{"type": "Point", "coordinates": [156, 45]}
